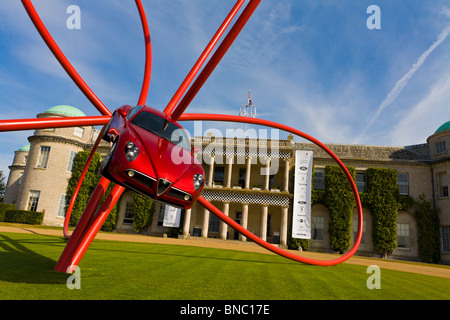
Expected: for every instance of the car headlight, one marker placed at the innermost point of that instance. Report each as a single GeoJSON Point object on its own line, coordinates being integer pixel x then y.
{"type": "Point", "coordinates": [198, 181]}
{"type": "Point", "coordinates": [131, 151]}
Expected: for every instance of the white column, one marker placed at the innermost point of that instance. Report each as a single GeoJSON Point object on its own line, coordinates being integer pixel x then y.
{"type": "Point", "coordinates": [284, 227]}
{"type": "Point", "coordinates": [266, 178]}
{"type": "Point", "coordinates": [286, 175]}
{"type": "Point", "coordinates": [187, 223]}
{"type": "Point", "coordinates": [263, 228]}
{"type": "Point", "coordinates": [229, 170]}
{"type": "Point", "coordinates": [244, 220]}
{"type": "Point", "coordinates": [211, 171]}
{"type": "Point", "coordinates": [247, 173]}
{"type": "Point", "coordinates": [205, 224]}
{"type": "Point", "coordinates": [223, 228]}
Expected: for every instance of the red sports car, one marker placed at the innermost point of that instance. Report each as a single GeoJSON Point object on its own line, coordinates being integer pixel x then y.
{"type": "Point", "coordinates": [151, 154]}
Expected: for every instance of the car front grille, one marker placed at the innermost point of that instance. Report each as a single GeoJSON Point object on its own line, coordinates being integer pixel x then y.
{"type": "Point", "coordinates": [178, 194]}
{"type": "Point", "coordinates": [143, 179]}
{"type": "Point", "coordinates": [150, 183]}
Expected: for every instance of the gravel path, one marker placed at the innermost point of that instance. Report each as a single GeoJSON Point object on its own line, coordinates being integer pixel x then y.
{"type": "Point", "coordinates": [420, 268]}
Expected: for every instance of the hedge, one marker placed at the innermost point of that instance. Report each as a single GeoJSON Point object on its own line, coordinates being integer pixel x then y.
{"type": "Point", "coordinates": [4, 207]}
{"type": "Point", "coordinates": [24, 216]}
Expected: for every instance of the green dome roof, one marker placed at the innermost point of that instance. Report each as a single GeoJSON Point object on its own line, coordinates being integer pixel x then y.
{"type": "Point", "coordinates": [25, 148]}
{"type": "Point", "coordinates": [444, 127]}
{"type": "Point", "coordinates": [68, 111]}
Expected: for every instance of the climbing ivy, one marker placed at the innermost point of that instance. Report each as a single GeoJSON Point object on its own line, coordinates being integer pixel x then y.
{"type": "Point", "coordinates": [428, 227]}
{"type": "Point", "coordinates": [340, 202]}
{"type": "Point", "coordinates": [382, 200]}
{"type": "Point", "coordinates": [143, 211]}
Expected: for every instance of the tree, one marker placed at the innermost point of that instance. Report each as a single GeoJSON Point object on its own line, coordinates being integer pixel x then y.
{"type": "Point", "coordinates": [2, 186]}
{"type": "Point", "coordinates": [89, 183]}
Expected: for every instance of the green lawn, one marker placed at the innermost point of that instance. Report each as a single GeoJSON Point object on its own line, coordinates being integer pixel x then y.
{"type": "Point", "coordinates": [123, 270]}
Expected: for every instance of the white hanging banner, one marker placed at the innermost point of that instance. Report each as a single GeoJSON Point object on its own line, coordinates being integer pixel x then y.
{"type": "Point", "coordinates": [172, 217]}
{"type": "Point", "coordinates": [301, 218]}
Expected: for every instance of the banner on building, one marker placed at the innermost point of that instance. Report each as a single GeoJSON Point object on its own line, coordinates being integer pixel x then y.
{"type": "Point", "coordinates": [301, 218]}
{"type": "Point", "coordinates": [172, 217]}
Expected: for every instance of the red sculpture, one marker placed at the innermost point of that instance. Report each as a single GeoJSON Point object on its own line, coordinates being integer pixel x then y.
{"type": "Point", "coordinates": [161, 179]}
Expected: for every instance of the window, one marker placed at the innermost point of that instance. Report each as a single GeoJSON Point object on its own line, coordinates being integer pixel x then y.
{"type": "Point", "coordinates": [442, 184]}
{"type": "Point", "coordinates": [43, 157]}
{"type": "Point", "coordinates": [129, 212]}
{"type": "Point", "coordinates": [62, 206]}
{"type": "Point", "coordinates": [19, 181]}
{"type": "Point", "coordinates": [242, 175]}
{"type": "Point", "coordinates": [33, 200]}
{"type": "Point", "coordinates": [78, 132]}
{"type": "Point", "coordinates": [269, 225]}
{"type": "Point", "coordinates": [355, 231]}
{"type": "Point", "coordinates": [133, 111]}
{"type": "Point", "coordinates": [159, 126]}
{"type": "Point", "coordinates": [441, 147]}
{"type": "Point", "coordinates": [271, 181]}
{"type": "Point", "coordinates": [71, 162]}
{"type": "Point", "coordinates": [317, 228]}
{"type": "Point", "coordinates": [319, 175]}
{"type": "Point", "coordinates": [403, 183]}
{"type": "Point", "coordinates": [402, 235]}
{"type": "Point", "coordinates": [445, 230]}
{"type": "Point", "coordinates": [162, 210]}
{"type": "Point", "coordinates": [361, 182]}
{"type": "Point", "coordinates": [214, 223]}
{"type": "Point", "coordinates": [218, 175]}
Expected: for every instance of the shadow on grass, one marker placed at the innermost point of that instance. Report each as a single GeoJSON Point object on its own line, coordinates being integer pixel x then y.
{"type": "Point", "coordinates": [19, 264]}
{"type": "Point", "coordinates": [205, 253]}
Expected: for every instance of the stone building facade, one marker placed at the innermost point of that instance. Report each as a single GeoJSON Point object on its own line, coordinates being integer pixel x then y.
{"type": "Point", "coordinates": [238, 184]}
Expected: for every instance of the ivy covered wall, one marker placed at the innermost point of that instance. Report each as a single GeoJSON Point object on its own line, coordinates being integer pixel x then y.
{"type": "Point", "coordinates": [382, 198]}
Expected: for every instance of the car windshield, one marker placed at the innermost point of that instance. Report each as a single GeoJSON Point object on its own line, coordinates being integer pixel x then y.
{"type": "Point", "coordinates": [155, 124]}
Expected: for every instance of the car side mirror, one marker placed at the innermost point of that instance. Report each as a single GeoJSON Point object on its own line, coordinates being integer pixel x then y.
{"type": "Point", "coordinates": [123, 113]}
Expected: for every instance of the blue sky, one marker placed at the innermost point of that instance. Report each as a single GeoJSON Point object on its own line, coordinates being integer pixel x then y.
{"type": "Point", "coordinates": [310, 64]}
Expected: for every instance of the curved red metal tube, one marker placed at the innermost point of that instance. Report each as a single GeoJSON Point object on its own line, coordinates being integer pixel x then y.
{"type": "Point", "coordinates": [201, 60]}
{"type": "Point", "coordinates": [92, 219]}
{"type": "Point", "coordinates": [148, 54]}
{"type": "Point", "coordinates": [142, 100]}
{"type": "Point", "coordinates": [42, 123]}
{"type": "Point", "coordinates": [215, 59]}
{"type": "Point", "coordinates": [79, 183]}
{"type": "Point", "coordinates": [62, 58]}
{"type": "Point", "coordinates": [79, 234]}
{"type": "Point", "coordinates": [245, 232]}
{"type": "Point", "coordinates": [77, 246]}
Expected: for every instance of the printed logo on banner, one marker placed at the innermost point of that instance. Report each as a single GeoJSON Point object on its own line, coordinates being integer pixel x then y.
{"type": "Point", "coordinates": [172, 217]}
{"type": "Point", "coordinates": [301, 219]}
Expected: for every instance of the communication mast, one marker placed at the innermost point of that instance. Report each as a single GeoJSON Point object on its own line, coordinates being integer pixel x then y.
{"type": "Point", "coordinates": [248, 110]}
